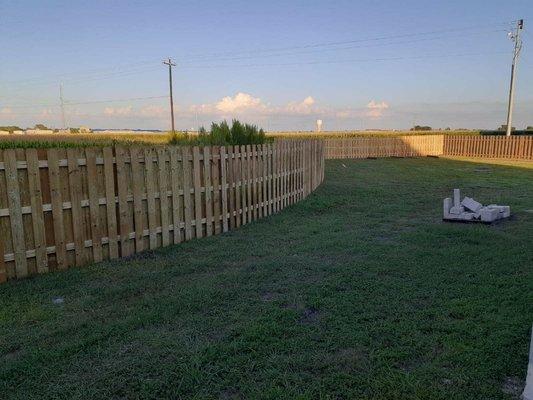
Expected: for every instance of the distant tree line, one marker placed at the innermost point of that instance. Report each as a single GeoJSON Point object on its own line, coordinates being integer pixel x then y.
{"type": "Point", "coordinates": [10, 128]}
{"type": "Point", "coordinates": [421, 128]}
{"type": "Point", "coordinates": [503, 129]}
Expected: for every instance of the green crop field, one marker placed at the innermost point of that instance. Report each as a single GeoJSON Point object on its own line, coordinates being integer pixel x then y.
{"type": "Point", "coordinates": [358, 292]}
{"type": "Point", "coordinates": [58, 140]}
{"type": "Point", "coordinates": [79, 140]}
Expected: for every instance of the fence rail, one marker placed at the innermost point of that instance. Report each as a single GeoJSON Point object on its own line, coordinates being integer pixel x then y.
{"type": "Point", "coordinates": [513, 147]}
{"type": "Point", "coordinates": [69, 207]}
{"type": "Point", "coordinates": [400, 146]}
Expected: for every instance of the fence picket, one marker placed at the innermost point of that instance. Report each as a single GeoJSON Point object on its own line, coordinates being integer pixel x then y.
{"type": "Point", "coordinates": [78, 220]}
{"type": "Point", "coordinates": [208, 192]}
{"type": "Point", "coordinates": [163, 195]}
{"type": "Point", "coordinates": [39, 235]}
{"type": "Point", "coordinates": [224, 188]}
{"type": "Point", "coordinates": [57, 208]}
{"type": "Point", "coordinates": [96, 230]}
{"type": "Point", "coordinates": [197, 191]}
{"type": "Point", "coordinates": [15, 213]}
{"type": "Point", "coordinates": [111, 206]}
{"type": "Point", "coordinates": [187, 204]}
{"type": "Point", "coordinates": [215, 176]}
{"type": "Point", "coordinates": [138, 208]}
{"type": "Point", "coordinates": [176, 178]}
{"type": "Point", "coordinates": [123, 209]}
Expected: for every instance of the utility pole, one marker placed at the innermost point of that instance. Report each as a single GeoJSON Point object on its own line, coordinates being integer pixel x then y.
{"type": "Point", "coordinates": [170, 65]}
{"type": "Point", "coordinates": [62, 106]}
{"type": "Point", "coordinates": [515, 37]}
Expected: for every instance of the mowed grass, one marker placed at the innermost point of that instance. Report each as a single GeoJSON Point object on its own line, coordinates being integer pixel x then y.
{"type": "Point", "coordinates": [359, 292]}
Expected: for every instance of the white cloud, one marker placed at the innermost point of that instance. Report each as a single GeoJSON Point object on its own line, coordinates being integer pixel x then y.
{"type": "Point", "coordinates": [244, 103]}
{"type": "Point", "coordinates": [6, 111]}
{"type": "Point", "coordinates": [118, 111]}
{"type": "Point", "coordinates": [240, 102]}
{"type": "Point", "coordinates": [375, 109]}
{"type": "Point", "coordinates": [344, 114]}
{"type": "Point", "coordinates": [303, 107]}
{"type": "Point", "coordinates": [153, 111]}
{"type": "Point", "coordinates": [308, 101]}
{"type": "Point", "coordinates": [202, 109]}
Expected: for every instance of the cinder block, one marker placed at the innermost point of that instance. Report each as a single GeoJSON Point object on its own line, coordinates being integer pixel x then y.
{"type": "Point", "coordinates": [471, 204]}
{"type": "Point", "coordinates": [456, 197]}
{"type": "Point", "coordinates": [505, 211]}
{"type": "Point", "coordinates": [489, 214]}
{"type": "Point", "coordinates": [446, 206]}
{"type": "Point", "coordinates": [457, 210]}
{"type": "Point", "coordinates": [467, 216]}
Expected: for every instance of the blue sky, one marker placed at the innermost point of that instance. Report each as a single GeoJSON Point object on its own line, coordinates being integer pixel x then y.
{"type": "Point", "coordinates": [281, 64]}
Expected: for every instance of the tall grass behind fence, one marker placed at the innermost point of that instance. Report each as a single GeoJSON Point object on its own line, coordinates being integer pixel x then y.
{"type": "Point", "coordinates": [70, 207]}
{"type": "Point", "coordinates": [403, 146]}
{"type": "Point", "coordinates": [513, 147]}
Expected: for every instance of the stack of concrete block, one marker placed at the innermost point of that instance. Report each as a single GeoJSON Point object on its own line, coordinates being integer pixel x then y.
{"type": "Point", "coordinates": [470, 210]}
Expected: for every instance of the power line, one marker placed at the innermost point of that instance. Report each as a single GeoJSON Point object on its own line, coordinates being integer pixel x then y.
{"type": "Point", "coordinates": [75, 103]}
{"type": "Point", "coordinates": [337, 48]}
{"type": "Point", "coordinates": [349, 61]}
{"type": "Point", "coordinates": [115, 100]}
{"type": "Point", "coordinates": [325, 44]}
{"type": "Point", "coordinates": [89, 78]}
{"type": "Point", "coordinates": [131, 69]}
{"type": "Point", "coordinates": [90, 73]}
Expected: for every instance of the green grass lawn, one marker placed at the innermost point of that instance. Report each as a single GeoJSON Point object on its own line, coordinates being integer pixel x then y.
{"type": "Point", "coordinates": [359, 292]}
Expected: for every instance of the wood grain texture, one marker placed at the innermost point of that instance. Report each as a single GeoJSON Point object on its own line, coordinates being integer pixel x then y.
{"type": "Point", "coordinates": [138, 208]}
{"type": "Point", "coordinates": [57, 209]}
{"type": "Point", "coordinates": [96, 228]}
{"type": "Point", "coordinates": [197, 183]}
{"type": "Point", "coordinates": [187, 204]}
{"type": "Point", "coordinates": [176, 177]}
{"type": "Point", "coordinates": [125, 226]}
{"type": "Point", "coordinates": [163, 196]}
{"type": "Point", "coordinates": [15, 213]}
{"type": "Point", "coordinates": [215, 176]}
{"type": "Point", "coordinates": [150, 183]}
{"type": "Point", "coordinates": [36, 198]}
{"type": "Point", "coordinates": [78, 221]}
{"type": "Point", "coordinates": [208, 194]}
{"type": "Point", "coordinates": [224, 185]}
{"type": "Point", "coordinates": [111, 206]}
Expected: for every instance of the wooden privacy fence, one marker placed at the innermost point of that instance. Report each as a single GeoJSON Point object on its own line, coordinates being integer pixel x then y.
{"type": "Point", "coordinates": [65, 207]}
{"type": "Point", "coordinates": [513, 147]}
{"type": "Point", "coordinates": [399, 146]}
